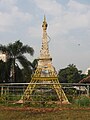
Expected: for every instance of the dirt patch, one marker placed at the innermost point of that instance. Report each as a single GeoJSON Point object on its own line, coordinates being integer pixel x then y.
{"type": "Point", "coordinates": [38, 110]}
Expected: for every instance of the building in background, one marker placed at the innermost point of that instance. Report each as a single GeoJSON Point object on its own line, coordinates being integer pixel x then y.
{"type": "Point", "coordinates": [86, 72]}
{"type": "Point", "coordinates": [3, 56]}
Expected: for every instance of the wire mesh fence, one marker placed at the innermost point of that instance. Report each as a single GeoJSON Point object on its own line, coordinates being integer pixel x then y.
{"type": "Point", "coordinates": [43, 94]}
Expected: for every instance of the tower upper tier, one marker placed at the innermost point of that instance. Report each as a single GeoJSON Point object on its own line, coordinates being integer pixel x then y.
{"type": "Point", "coordinates": [44, 52]}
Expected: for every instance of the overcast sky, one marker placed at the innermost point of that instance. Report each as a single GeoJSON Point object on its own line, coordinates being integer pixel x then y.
{"type": "Point", "coordinates": [68, 27]}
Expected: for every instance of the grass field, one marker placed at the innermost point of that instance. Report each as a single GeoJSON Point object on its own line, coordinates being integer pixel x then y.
{"type": "Point", "coordinates": [54, 115]}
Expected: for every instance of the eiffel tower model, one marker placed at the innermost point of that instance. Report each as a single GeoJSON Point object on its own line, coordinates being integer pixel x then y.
{"type": "Point", "coordinates": [45, 72]}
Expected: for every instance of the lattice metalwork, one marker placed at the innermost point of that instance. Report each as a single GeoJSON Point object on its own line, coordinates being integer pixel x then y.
{"type": "Point", "coordinates": [45, 72]}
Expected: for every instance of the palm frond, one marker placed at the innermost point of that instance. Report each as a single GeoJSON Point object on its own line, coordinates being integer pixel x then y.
{"type": "Point", "coordinates": [27, 49]}
{"type": "Point", "coordinates": [3, 48]}
{"type": "Point", "coordinates": [24, 62]}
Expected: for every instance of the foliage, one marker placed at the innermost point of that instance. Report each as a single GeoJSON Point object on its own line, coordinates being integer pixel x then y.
{"type": "Point", "coordinates": [70, 74]}
{"type": "Point", "coordinates": [34, 63]}
{"type": "Point", "coordinates": [4, 71]}
{"type": "Point", "coordinates": [71, 93]}
{"type": "Point", "coordinates": [16, 58]}
{"type": "Point", "coordinates": [82, 101]}
{"type": "Point", "coordinates": [88, 72]}
{"type": "Point", "coordinates": [83, 76]}
{"type": "Point", "coordinates": [28, 73]}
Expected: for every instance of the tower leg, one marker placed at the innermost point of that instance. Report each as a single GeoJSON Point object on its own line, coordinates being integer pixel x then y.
{"type": "Point", "coordinates": [26, 96]}
{"type": "Point", "coordinates": [60, 93]}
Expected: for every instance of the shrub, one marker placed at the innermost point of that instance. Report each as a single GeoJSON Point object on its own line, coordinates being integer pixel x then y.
{"type": "Point", "coordinates": [82, 101]}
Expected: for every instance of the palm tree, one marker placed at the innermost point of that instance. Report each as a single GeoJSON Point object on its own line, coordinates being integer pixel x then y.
{"type": "Point", "coordinates": [4, 71]}
{"type": "Point", "coordinates": [2, 76]}
{"type": "Point", "coordinates": [16, 54]}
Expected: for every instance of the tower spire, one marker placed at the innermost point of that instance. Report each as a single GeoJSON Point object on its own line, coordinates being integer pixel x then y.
{"type": "Point", "coordinates": [44, 25]}
{"type": "Point", "coordinates": [44, 52]}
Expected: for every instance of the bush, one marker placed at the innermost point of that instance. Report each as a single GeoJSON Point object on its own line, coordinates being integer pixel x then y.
{"type": "Point", "coordinates": [82, 101]}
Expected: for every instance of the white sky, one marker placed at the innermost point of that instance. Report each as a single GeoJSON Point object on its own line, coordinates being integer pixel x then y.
{"type": "Point", "coordinates": [68, 27]}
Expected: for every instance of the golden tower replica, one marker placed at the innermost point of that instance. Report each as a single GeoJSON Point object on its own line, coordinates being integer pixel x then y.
{"type": "Point", "coordinates": [45, 72]}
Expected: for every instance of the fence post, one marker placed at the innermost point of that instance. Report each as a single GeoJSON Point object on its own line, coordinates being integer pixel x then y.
{"type": "Point", "coordinates": [88, 90]}
{"type": "Point", "coordinates": [1, 90]}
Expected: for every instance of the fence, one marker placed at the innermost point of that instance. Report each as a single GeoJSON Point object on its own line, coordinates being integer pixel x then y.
{"type": "Point", "coordinates": [44, 93]}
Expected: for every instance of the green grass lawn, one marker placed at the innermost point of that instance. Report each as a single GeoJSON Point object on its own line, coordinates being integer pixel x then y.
{"type": "Point", "coordinates": [56, 115]}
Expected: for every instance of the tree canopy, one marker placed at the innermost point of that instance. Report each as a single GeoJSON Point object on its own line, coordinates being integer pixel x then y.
{"type": "Point", "coordinates": [70, 74]}
{"type": "Point", "coordinates": [16, 56]}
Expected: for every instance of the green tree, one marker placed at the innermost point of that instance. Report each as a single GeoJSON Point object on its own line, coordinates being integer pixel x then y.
{"type": "Point", "coordinates": [4, 72]}
{"type": "Point", "coordinates": [28, 74]}
{"type": "Point", "coordinates": [70, 74]}
{"type": "Point", "coordinates": [16, 54]}
{"type": "Point", "coordinates": [34, 64]}
{"type": "Point", "coordinates": [2, 66]}
{"type": "Point", "coordinates": [88, 72]}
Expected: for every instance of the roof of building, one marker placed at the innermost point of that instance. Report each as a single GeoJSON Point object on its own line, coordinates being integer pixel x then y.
{"type": "Point", "coordinates": [85, 80]}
